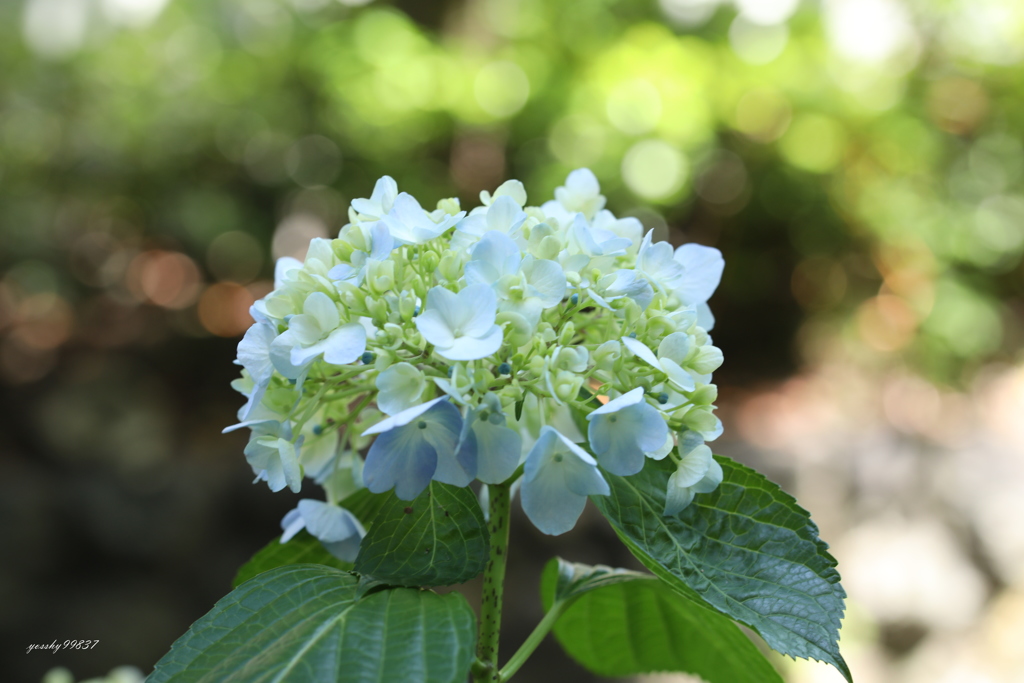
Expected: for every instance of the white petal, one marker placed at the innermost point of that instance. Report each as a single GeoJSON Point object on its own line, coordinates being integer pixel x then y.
{"type": "Point", "coordinates": [703, 272]}
{"type": "Point", "coordinates": [548, 281]}
{"type": "Point", "coordinates": [693, 466]}
{"type": "Point", "coordinates": [292, 524]}
{"type": "Point", "coordinates": [704, 317]}
{"type": "Point", "coordinates": [254, 351]}
{"type": "Point", "coordinates": [323, 309]}
{"type": "Point", "coordinates": [400, 386]}
{"type": "Point", "coordinates": [627, 399]}
{"type": "Point", "coordinates": [474, 348]}
{"type": "Point", "coordinates": [434, 328]}
{"type": "Point", "coordinates": [677, 375]}
{"type": "Point", "coordinates": [345, 344]}
{"type": "Point", "coordinates": [640, 350]}
{"type": "Point", "coordinates": [478, 305]}
{"type": "Point", "coordinates": [283, 269]}
{"type": "Point", "coordinates": [675, 346]}
{"type": "Point", "coordinates": [403, 418]}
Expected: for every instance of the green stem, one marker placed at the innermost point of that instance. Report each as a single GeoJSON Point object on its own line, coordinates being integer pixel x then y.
{"type": "Point", "coordinates": [531, 643]}
{"type": "Point", "coordinates": [494, 583]}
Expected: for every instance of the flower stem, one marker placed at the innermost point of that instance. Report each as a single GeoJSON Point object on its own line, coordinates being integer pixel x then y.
{"type": "Point", "coordinates": [531, 643]}
{"type": "Point", "coordinates": [494, 583]}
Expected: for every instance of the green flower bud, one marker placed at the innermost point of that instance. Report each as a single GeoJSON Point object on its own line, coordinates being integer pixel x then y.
{"type": "Point", "coordinates": [450, 266]}
{"type": "Point", "coordinates": [707, 359]}
{"type": "Point", "coordinates": [380, 276]}
{"type": "Point", "coordinates": [567, 333]}
{"type": "Point", "coordinates": [430, 261]}
{"type": "Point", "coordinates": [704, 396]}
{"type": "Point", "coordinates": [608, 354]}
{"type": "Point", "coordinates": [407, 306]}
{"type": "Point", "coordinates": [573, 278]}
{"type": "Point", "coordinates": [701, 419]}
{"type": "Point", "coordinates": [567, 385]}
{"type": "Point", "coordinates": [537, 365]}
{"type": "Point", "coordinates": [378, 310]}
{"type": "Point", "coordinates": [518, 330]}
{"type": "Point", "coordinates": [450, 205]}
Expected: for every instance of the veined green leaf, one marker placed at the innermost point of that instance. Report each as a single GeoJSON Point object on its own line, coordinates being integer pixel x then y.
{"type": "Point", "coordinates": [747, 549]}
{"type": "Point", "coordinates": [438, 539]}
{"type": "Point", "coordinates": [303, 549]}
{"type": "Point", "coordinates": [304, 623]}
{"type": "Point", "coordinates": [622, 623]}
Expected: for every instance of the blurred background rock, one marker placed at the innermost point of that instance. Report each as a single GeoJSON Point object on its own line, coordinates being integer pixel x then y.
{"type": "Point", "coordinates": [859, 163]}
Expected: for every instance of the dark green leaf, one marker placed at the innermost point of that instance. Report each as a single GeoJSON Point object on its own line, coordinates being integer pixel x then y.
{"type": "Point", "coordinates": [623, 623]}
{"type": "Point", "coordinates": [747, 549]}
{"type": "Point", "coordinates": [438, 539]}
{"type": "Point", "coordinates": [303, 549]}
{"type": "Point", "coordinates": [303, 623]}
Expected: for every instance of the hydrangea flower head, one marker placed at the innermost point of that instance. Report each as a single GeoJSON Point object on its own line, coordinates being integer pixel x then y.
{"type": "Point", "coordinates": [448, 346]}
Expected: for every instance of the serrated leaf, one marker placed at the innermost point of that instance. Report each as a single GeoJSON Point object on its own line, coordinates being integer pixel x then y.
{"type": "Point", "coordinates": [622, 623]}
{"type": "Point", "coordinates": [302, 549]}
{"type": "Point", "coordinates": [303, 623]}
{"type": "Point", "coordinates": [438, 539]}
{"type": "Point", "coordinates": [747, 549]}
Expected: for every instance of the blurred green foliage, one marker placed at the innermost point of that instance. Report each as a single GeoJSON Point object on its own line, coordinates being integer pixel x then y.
{"type": "Point", "coordinates": [858, 162]}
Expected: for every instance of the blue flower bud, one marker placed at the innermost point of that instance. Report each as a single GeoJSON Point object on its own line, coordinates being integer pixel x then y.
{"type": "Point", "coordinates": [318, 430]}
{"type": "Point", "coordinates": [574, 299]}
{"type": "Point", "coordinates": [504, 369]}
{"type": "Point", "coordinates": [663, 398]}
{"type": "Point", "coordinates": [367, 358]}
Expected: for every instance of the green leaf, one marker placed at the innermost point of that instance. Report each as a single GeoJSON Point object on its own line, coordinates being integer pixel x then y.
{"type": "Point", "coordinates": [747, 549]}
{"type": "Point", "coordinates": [303, 549]}
{"type": "Point", "coordinates": [304, 623]}
{"type": "Point", "coordinates": [622, 623]}
{"type": "Point", "coordinates": [438, 539]}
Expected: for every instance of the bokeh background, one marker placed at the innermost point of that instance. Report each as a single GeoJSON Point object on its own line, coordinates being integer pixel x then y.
{"type": "Point", "coordinates": [859, 163]}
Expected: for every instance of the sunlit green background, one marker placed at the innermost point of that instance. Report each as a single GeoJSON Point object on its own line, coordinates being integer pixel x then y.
{"type": "Point", "coordinates": [858, 162]}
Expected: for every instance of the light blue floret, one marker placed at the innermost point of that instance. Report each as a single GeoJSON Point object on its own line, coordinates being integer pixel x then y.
{"type": "Point", "coordinates": [417, 445]}
{"type": "Point", "coordinates": [623, 431]}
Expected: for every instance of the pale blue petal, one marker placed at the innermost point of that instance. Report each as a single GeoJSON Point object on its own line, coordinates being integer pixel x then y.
{"type": "Point", "coordinates": [548, 281]}
{"type": "Point", "coordinates": [676, 347]}
{"type": "Point", "coordinates": [383, 242]}
{"type": "Point", "coordinates": [711, 480]}
{"type": "Point", "coordinates": [399, 387]}
{"type": "Point", "coordinates": [550, 505]}
{"type": "Point", "coordinates": [292, 524]}
{"type": "Point", "coordinates": [704, 317]}
{"type": "Point", "coordinates": [631, 397]}
{"type": "Point", "coordinates": [640, 350]}
{"type": "Point", "coordinates": [693, 466]}
{"type": "Point", "coordinates": [677, 375]}
{"type": "Point", "coordinates": [305, 329]}
{"type": "Point", "coordinates": [346, 550]}
{"type": "Point", "coordinates": [342, 271]}
{"type": "Point", "coordinates": [434, 328]}
{"type": "Point", "coordinates": [471, 348]}
{"type": "Point", "coordinates": [498, 251]}
{"type": "Point", "coordinates": [329, 523]}
{"type": "Point", "coordinates": [345, 344]}
{"type": "Point", "coordinates": [676, 497]}
{"type": "Point", "coordinates": [504, 214]}
{"type": "Point", "coordinates": [403, 418]}
{"type": "Point", "coordinates": [254, 351]}
{"type": "Point", "coordinates": [621, 439]}
{"type": "Point", "coordinates": [401, 459]}
{"type": "Point", "coordinates": [283, 267]}
{"type": "Point", "coordinates": [498, 447]}
{"type": "Point", "coordinates": [442, 428]}
{"type": "Point", "coordinates": [323, 309]}
{"type": "Point", "coordinates": [478, 305]}
{"type": "Point", "coordinates": [703, 272]}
